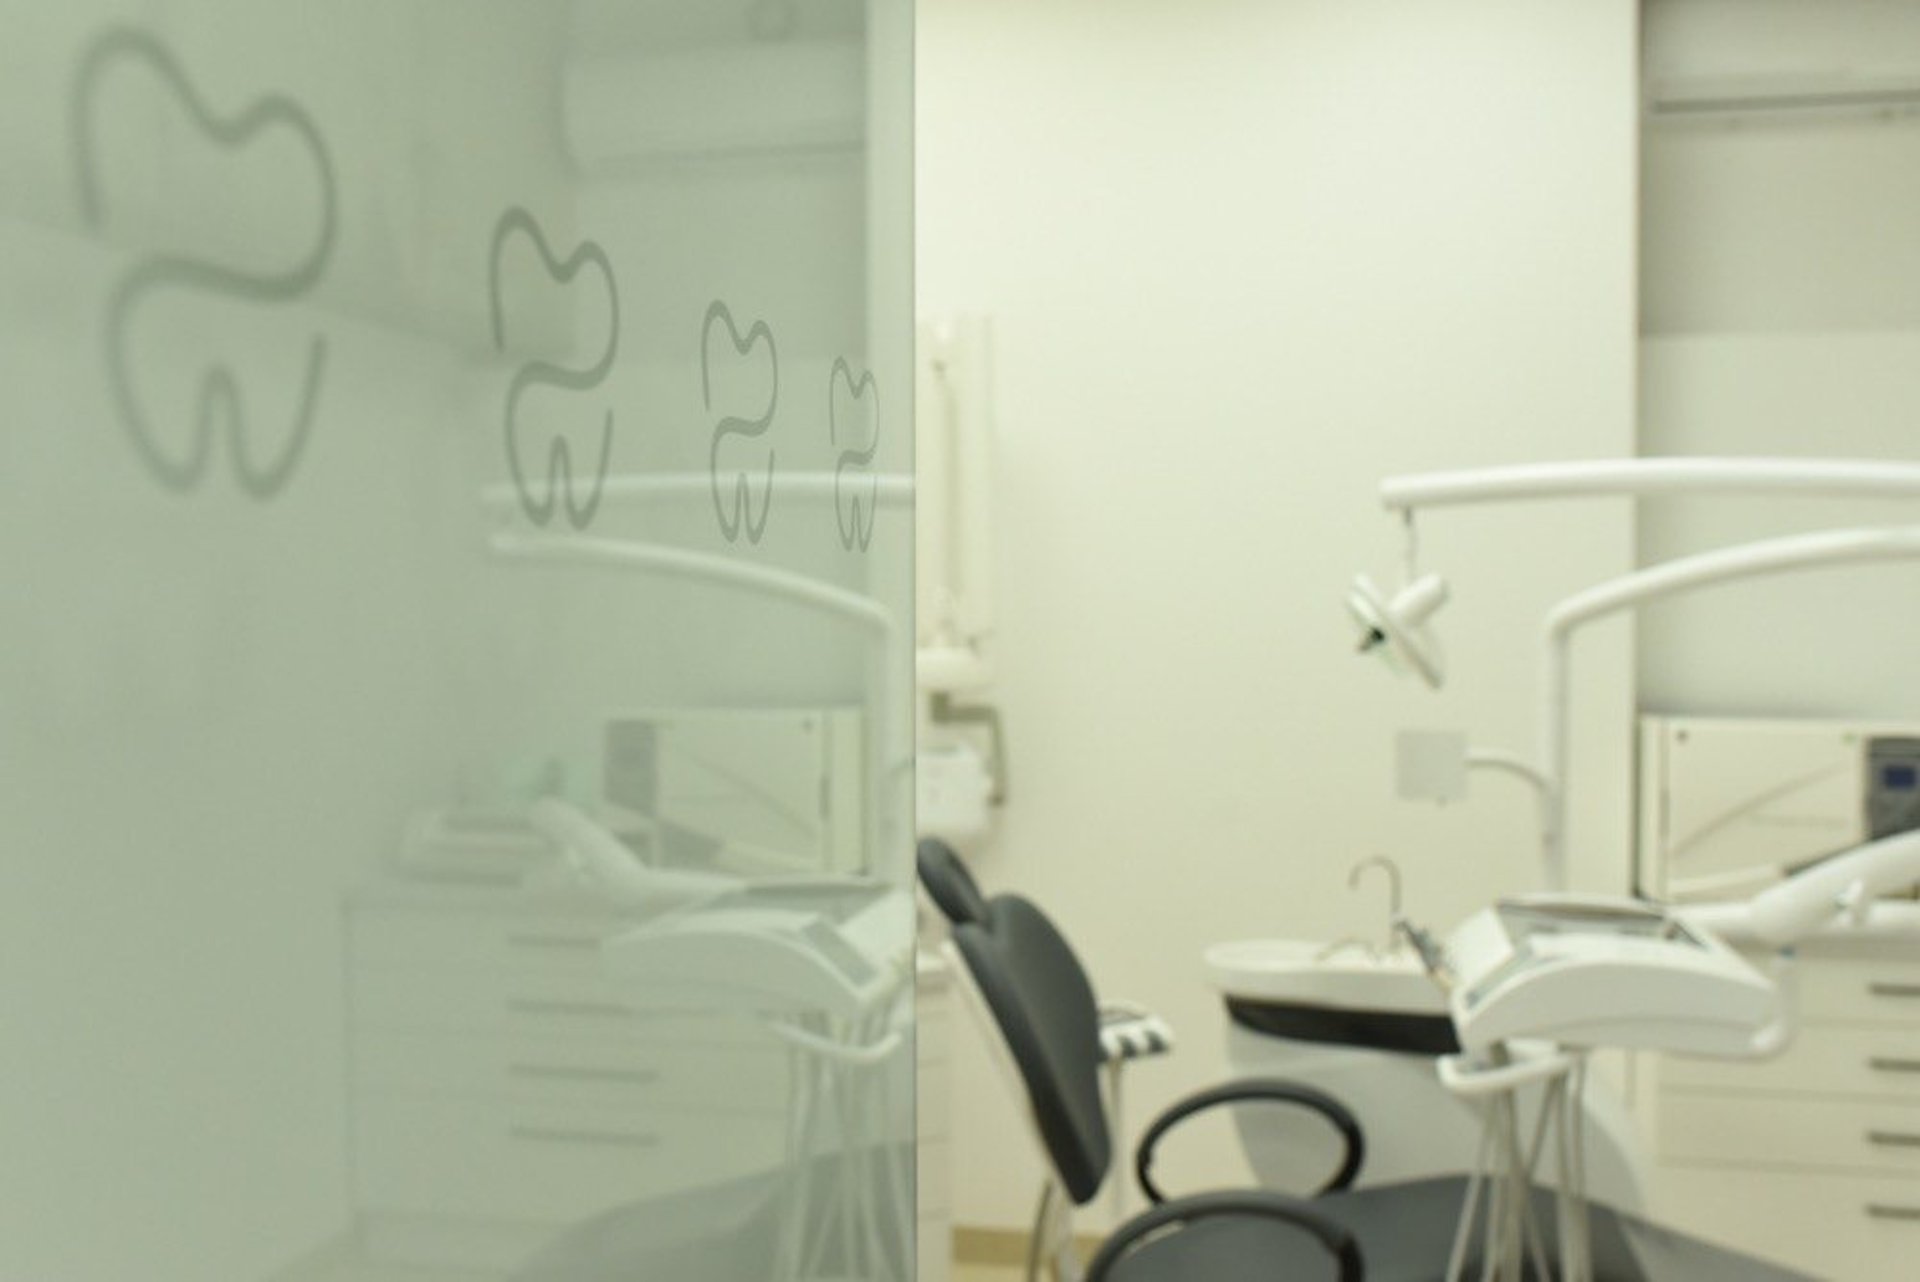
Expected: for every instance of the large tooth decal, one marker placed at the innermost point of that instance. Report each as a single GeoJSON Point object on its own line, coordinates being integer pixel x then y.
{"type": "Point", "coordinates": [740, 514]}
{"type": "Point", "coordinates": [219, 399]}
{"type": "Point", "coordinates": [559, 488]}
{"type": "Point", "coordinates": [861, 400]}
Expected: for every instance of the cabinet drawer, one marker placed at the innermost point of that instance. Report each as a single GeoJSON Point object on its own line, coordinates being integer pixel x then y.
{"type": "Point", "coordinates": [617, 1073]}
{"type": "Point", "coordinates": [1863, 1136]}
{"type": "Point", "coordinates": [403, 939]}
{"type": "Point", "coordinates": [1854, 1060]}
{"type": "Point", "coordinates": [1846, 1228]}
{"type": "Point", "coordinates": [1852, 989]}
{"type": "Point", "coordinates": [545, 1162]}
{"type": "Point", "coordinates": [537, 1004]}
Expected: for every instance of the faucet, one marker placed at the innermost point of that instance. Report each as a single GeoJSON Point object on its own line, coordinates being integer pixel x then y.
{"type": "Point", "coordinates": [1393, 891]}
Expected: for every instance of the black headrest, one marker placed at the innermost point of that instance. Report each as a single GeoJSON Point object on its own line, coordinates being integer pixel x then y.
{"type": "Point", "coordinates": [1046, 1011]}
{"type": "Point", "coordinates": [948, 883]}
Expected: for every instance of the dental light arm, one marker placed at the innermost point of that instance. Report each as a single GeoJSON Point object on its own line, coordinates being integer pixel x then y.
{"type": "Point", "coordinates": [1388, 624]}
{"type": "Point", "coordinates": [1675, 578]}
{"type": "Point", "coordinates": [1595, 478]}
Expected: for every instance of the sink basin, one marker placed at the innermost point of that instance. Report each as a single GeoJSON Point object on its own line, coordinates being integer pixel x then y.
{"type": "Point", "coordinates": [1292, 970]}
{"type": "Point", "coordinates": [1285, 988]}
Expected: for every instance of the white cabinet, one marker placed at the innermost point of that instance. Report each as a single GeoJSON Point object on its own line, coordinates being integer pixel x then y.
{"type": "Point", "coordinates": [1812, 1158]}
{"type": "Point", "coordinates": [501, 1090]}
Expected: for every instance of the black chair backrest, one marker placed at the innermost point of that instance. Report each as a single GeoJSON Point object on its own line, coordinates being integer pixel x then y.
{"type": "Point", "coordinates": [1046, 1012]}
{"type": "Point", "coordinates": [948, 883]}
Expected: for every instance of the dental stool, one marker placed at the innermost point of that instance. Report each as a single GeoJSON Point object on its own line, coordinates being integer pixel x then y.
{"type": "Point", "coordinates": [1020, 977]}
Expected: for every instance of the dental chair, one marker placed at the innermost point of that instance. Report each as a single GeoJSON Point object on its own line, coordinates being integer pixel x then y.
{"type": "Point", "coordinates": [1022, 979]}
{"type": "Point", "coordinates": [1128, 1031]}
{"type": "Point", "coordinates": [948, 883]}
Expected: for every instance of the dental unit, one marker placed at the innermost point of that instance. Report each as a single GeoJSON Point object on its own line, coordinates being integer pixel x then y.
{"type": "Point", "coordinates": [1397, 625]}
{"type": "Point", "coordinates": [1533, 984]}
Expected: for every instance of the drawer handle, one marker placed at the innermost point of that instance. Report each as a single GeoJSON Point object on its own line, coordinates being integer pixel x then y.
{"type": "Point", "coordinates": [1881, 1211]}
{"type": "Point", "coordinates": [1884, 988]}
{"type": "Point", "coordinates": [550, 1006]}
{"type": "Point", "coordinates": [599, 1139]}
{"type": "Point", "coordinates": [1893, 1064]}
{"type": "Point", "coordinates": [1893, 1139]}
{"type": "Point", "coordinates": [555, 943]}
{"type": "Point", "coordinates": [569, 1073]}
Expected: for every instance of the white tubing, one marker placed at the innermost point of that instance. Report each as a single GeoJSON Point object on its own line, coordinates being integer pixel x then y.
{"type": "Point", "coordinates": [1671, 578]}
{"type": "Point", "coordinates": [1802, 904]}
{"type": "Point", "coordinates": [1864, 478]}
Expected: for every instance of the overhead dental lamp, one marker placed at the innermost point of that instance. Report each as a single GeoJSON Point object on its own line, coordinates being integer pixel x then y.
{"type": "Point", "coordinates": [1396, 627]}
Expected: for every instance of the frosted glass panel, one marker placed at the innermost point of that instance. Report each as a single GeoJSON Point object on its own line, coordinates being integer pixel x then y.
{"type": "Point", "coordinates": [454, 706]}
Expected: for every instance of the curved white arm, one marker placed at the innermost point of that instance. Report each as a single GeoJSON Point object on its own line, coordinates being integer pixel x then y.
{"type": "Point", "coordinates": [1860, 478]}
{"type": "Point", "coordinates": [1802, 905]}
{"type": "Point", "coordinates": [624, 554]}
{"type": "Point", "coordinates": [1671, 578]}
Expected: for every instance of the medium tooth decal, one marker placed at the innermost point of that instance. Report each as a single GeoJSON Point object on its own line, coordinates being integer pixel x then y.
{"type": "Point", "coordinates": [219, 399]}
{"type": "Point", "coordinates": [559, 488]}
{"type": "Point", "coordinates": [741, 515]}
{"type": "Point", "coordinates": [852, 477]}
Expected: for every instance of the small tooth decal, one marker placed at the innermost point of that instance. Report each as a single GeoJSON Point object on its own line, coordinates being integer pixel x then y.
{"type": "Point", "coordinates": [731, 369]}
{"type": "Point", "coordinates": [854, 403]}
{"type": "Point", "coordinates": [559, 490]}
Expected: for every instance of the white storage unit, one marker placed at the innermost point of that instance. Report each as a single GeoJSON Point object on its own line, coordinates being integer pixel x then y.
{"type": "Point", "coordinates": [1811, 1158]}
{"type": "Point", "coordinates": [502, 1090]}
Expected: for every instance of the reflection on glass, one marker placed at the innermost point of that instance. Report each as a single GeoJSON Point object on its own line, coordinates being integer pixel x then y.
{"type": "Point", "coordinates": [457, 585]}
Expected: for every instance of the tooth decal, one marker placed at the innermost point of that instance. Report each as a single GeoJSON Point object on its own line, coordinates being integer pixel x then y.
{"type": "Point", "coordinates": [220, 402]}
{"type": "Point", "coordinates": [741, 516]}
{"type": "Point", "coordinates": [856, 522]}
{"type": "Point", "coordinates": [559, 488]}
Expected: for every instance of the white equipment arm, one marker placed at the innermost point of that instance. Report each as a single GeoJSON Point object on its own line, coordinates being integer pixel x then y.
{"type": "Point", "coordinates": [1805, 904]}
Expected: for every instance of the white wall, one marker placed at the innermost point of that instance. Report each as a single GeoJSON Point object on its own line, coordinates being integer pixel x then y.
{"type": "Point", "coordinates": [1243, 258]}
{"type": "Point", "coordinates": [1781, 315]}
